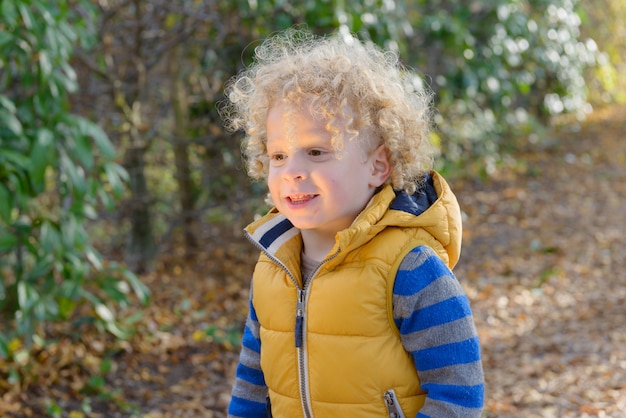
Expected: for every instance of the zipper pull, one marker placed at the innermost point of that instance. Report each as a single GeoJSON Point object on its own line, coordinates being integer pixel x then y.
{"type": "Point", "coordinates": [393, 406]}
{"type": "Point", "coordinates": [299, 318]}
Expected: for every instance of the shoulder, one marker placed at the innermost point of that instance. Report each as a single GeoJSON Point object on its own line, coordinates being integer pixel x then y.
{"type": "Point", "coordinates": [420, 255]}
{"type": "Point", "coordinates": [419, 269]}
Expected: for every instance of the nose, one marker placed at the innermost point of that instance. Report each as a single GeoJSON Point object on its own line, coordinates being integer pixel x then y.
{"type": "Point", "coordinates": [295, 168]}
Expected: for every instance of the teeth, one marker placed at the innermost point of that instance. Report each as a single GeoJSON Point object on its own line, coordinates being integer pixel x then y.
{"type": "Point", "coordinates": [299, 198]}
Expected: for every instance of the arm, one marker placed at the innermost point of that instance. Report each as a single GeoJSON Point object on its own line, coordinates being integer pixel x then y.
{"type": "Point", "coordinates": [436, 326]}
{"type": "Point", "coordinates": [249, 391]}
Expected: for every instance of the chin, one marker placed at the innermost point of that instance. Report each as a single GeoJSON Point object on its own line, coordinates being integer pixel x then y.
{"type": "Point", "coordinates": [303, 225]}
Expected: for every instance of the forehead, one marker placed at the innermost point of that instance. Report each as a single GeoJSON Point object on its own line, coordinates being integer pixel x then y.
{"type": "Point", "coordinates": [286, 121]}
{"type": "Point", "coordinates": [298, 125]}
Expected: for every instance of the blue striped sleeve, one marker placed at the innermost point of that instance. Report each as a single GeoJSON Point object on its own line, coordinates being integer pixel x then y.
{"type": "Point", "coordinates": [435, 321]}
{"type": "Point", "coordinates": [244, 408]}
{"type": "Point", "coordinates": [445, 355]}
{"type": "Point", "coordinates": [448, 310]}
{"type": "Point", "coordinates": [424, 260]}
{"type": "Point", "coordinates": [250, 375]}
{"type": "Point", "coordinates": [251, 338]}
{"type": "Point", "coordinates": [249, 392]}
{"type": "Point", "coordinates": [472, 395]}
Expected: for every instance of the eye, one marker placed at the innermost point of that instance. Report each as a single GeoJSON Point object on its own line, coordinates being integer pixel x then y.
{"type": "Point", "coordinates": [277, 159]}
{"type": "Point", "coordinates": [315, 152]}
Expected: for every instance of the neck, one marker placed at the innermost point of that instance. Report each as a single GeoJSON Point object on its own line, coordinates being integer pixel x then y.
{"type": "Point", "coordinates": [317, 244]}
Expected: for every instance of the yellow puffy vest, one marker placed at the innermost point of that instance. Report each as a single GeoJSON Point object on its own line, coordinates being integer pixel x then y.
{"type": "Point", "coordinates": [350, 353]}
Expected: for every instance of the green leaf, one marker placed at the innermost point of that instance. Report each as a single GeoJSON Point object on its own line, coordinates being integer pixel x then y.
{"type": "Point", "coordinates": [42, 268]}
{"type": "Point", "coordinates": [5, 38]}
{"type": "Point", "coordinates": [89, 211]}
{"type": "Point", "coordinates": [75, 177]}
{"type": "Point", "coordinates": [18, 160]}
{"type": "Point", "coordinates": [76, 268]}
{"type": "Point", "coordinates": [48, 309]}
{"type": "Point", "coordinates": [46, 15]}
{"type": "Point", "coordinates": [3, 295]}
{"type": "Point", "coordinates": [66, 307]}
{"type": "Point", "coordinates": [27, 296]}
{"type": "Point", "coordinates": [45, 66]}
{"type": "Point", "coordinates": [11, 122]}
{"type": "Point", "coordinates": [115, 329]}
{"type": "Point", "coordinates": [68, 32]}
{"type": "Point", "coordinates": [14, 377]}
{"type": "Point", "coordinates": [7, 103]}
{"type": "Point", "coordinates": [8, 241]}
{"type": "Point", "coordinates": [53, 409]}
{"type": "Point", "coordinates": [525, 88]}
{"type": "Point", "coordinates": [105, 313]}
{"type": "Point", "coordinates": [18, 179]}
{"type": "Point", "coordinates": [116, 174]}
{"type": "Point", "coordinates": [50, 238]}
{"type": "Point", "coordinates": [94, 258]}
{"type": "Point", "coordinates": [96, 382]}
{"type": "Point", "coordinates": [70, 74]}
{"type": "Point", "coordinates": [6, 204]}
{"type": "Point", "coordinates": [106, 199]}
{"type": "Point", "coordinates": [40, 158]}
{"type": "Point", "coordinates": [111, 287]}
{"type": "Point", "coordinates": [106, 365]}
{"type": "Point", "coordinates": [70, 289]}
{"type": "Point", "coordinates": [61, 82]}
{"type": "Point", "coordinates": [26, 15]}
{"type": "Point", "coordinates": [83, 151]}
{"type": "Point", "coordinates": [4, 346]}
{"type": "Point", "coordinates": [101, 140]}
{"type": "Point", "coordinates": [9, 13]}
{"type": "Point", "coordinates": [140, 289]}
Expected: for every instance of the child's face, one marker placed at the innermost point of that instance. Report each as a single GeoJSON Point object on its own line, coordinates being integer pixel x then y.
{"type": "Point", "coordinates": [313, 186]}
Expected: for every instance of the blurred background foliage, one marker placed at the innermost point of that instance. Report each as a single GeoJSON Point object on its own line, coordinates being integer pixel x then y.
{"type": "Point", "coordinates": [57, 170]}
{"type": "Point", "coordinates": [111, 143]}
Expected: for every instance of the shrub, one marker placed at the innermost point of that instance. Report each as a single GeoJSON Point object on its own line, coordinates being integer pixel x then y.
{"type": "Point", "coordinates": [55, 169]}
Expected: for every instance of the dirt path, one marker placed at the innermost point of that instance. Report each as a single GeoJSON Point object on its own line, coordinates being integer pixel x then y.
{"type": "Point", "coordinates": [544, 262]}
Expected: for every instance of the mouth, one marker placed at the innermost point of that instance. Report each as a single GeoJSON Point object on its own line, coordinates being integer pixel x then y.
{"type": "Point", "coordinates": [300, 199]}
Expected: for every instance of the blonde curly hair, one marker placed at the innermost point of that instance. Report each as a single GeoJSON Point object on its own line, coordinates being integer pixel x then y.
{"type": "Point", "coordinates": [358, 88]}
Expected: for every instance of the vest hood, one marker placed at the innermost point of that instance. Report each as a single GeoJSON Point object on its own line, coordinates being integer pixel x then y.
{"type": "Point", "coordinates": [433, 209]}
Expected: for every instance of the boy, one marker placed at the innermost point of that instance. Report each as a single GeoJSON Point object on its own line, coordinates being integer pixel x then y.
{"type": "Point", "coordinates": [354, 311]}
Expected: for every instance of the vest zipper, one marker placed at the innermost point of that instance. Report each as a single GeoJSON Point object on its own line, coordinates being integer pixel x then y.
{"type": "Point", "coordinates": [303, 297]}
{"type": "Point", "coordinates": [393, 406]}
{"type": "Point", "coordinates": [299, 333]}
{"type": "Point", "coordinates": [301, 350]}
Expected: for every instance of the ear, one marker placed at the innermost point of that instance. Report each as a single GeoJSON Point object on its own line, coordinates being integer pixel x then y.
{"type": "Point", "coordinates": [381, 166]}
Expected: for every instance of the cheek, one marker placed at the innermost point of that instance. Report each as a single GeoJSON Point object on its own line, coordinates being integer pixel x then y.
{"type": "Point", "coordinates": [272, 177]}
{"type": "Point", "coordinates": [273, 185]}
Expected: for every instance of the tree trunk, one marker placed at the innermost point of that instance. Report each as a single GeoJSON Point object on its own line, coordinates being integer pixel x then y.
{"type": "Point", "coordinates": [141, 251]}
{"type": "Point", "coordinates": [181, 153]}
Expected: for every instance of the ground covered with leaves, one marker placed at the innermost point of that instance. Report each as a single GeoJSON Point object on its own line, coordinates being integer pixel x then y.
{"type": "Point", "coordinates": [544, 264]}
